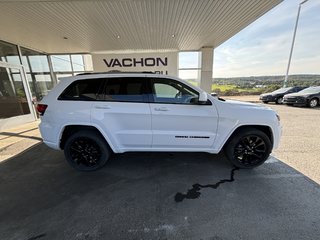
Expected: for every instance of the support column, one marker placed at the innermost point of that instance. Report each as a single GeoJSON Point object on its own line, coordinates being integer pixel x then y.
{"type": "Point", "coordinates": [206, 68]}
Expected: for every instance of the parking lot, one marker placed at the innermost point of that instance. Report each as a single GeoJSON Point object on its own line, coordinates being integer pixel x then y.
{"type": "Point", "coordinates": [168, 195]}
{"type": "Point", "coordinates": [299, 145]}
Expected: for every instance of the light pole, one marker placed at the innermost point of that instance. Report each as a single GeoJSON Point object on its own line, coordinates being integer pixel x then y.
{"type": "Point", "coordinates": [292, 44]}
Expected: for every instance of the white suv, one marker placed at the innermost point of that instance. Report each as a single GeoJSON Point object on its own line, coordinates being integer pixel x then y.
{"type": "Point", "coordinates": [89, 116]}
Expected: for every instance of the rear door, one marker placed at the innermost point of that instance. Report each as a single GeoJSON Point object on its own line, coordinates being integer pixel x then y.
{"type": "Point", "coordinates": [122, 110]}
{"type": "Point", "coordinates": [178, 121]}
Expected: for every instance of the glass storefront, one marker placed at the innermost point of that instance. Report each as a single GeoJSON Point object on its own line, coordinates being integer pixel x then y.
{"type": "Point", "coordinates": [17, 94]}
{"type": "Point", "coordinates": [13, 100]}
{"type": "Point", "coordinates": [67, 65]}
{"type": "Point", "coordinates": [189, 67]}
{"type": "Point", "coordinates": [38, 73]}
{"type": "Point", "coordinates": [9, 53]}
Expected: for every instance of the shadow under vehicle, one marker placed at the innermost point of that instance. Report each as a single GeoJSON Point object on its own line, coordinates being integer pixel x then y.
{"type": "Point", "coordinates": [277, 95]}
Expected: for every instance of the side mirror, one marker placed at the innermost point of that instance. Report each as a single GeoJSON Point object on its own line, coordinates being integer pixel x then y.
{"type": "Point", "coordinates": [203, 98]}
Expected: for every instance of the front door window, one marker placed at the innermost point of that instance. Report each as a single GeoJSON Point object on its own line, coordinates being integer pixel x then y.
{"type": "Point", "coordinates": [170, 91]}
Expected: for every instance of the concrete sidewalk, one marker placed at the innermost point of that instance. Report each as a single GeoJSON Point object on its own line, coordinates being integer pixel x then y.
{"type": "Point", "coordinates": [15, 140]}
{"type": "Point", "coordinates": [247, 98]}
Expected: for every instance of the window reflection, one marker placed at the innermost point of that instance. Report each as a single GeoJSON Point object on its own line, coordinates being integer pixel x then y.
{"type": "Point", "coordinates": [38, 72]}
{"type": "Point", "coordinates": [9, 53]}
{"type": "Point", "coordinates": [13, 101]}
{"type": "Point", "coordinates": [189, 67]}
{"type": "Point", "coordinates": [39, 64]}
{"type": "Point", "coordinates": [61, 63]}
{"type": "Point", "coordinates": [77, 63]}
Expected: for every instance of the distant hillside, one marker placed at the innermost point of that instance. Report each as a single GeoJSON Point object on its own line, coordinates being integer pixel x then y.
{"type": "Point", "coordinates": [303, 80]}
{"type": "Point", "coordinates": [260, 84]}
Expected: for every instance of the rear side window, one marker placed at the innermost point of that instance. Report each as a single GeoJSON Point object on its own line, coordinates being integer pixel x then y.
{"type": "Point", "coordinates": [125, 89]}
{"type": "Point", "coordinates": [82, 90]}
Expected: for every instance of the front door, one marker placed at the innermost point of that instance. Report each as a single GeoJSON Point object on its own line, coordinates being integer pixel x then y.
{"type": "Point", "coordinates": [178, 121]}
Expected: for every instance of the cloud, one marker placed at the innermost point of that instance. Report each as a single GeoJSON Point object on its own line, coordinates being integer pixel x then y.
{"type": "Point", "coordinates": [263, 47]}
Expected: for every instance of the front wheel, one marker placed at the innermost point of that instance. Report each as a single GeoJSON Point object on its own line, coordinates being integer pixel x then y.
{"type": "Point", "coordinates": [86, 151]}
{"type": "Point", "coordinates": [248, 148]}
{"type": "Point", "coordinates": [313, 102]}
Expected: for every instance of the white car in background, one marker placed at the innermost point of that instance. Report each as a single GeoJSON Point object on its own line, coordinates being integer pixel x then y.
{"type": "Point", "coordinates": [89, 116]}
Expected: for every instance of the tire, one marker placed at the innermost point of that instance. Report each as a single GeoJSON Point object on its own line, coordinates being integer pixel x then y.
{"type": "Point", "coordinates": [279, 100]}
{"type": "Point", "coordinates": [242, 152]}
{"type": "Point", "coordinates": [266, 102]}
{"type": "Point", "coordinates": [86, 151]}
{"type": "Point", "coordinates": [313, 102]}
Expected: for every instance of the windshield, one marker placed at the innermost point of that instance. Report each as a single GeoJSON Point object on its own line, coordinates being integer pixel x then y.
{"type": "Point", "coordinates": [282, 90]}
{"type": "Point", "coordinates": [311, 90]}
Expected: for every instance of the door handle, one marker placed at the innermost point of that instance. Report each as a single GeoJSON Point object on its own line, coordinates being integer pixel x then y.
{"type": "Point", "coordinates": [162, 109]}
{"type": "Point", "coordinates": [102, 107]}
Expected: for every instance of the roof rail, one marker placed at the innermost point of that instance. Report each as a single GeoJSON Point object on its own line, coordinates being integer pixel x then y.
{"type": "Point", "coordinates": [115, 71]}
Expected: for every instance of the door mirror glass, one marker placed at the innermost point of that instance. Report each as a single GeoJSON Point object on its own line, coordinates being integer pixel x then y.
{"type": "Point", "coordinates": [203, 98]}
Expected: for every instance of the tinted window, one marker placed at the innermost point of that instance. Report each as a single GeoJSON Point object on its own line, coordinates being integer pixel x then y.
{"type": "Point", "coordinates": [281, 90]}
{"type": "Point", "coordinates": [84, 90]}
{"type": "Point", "coordinates": [124, 89]}
{"type": "Point", "coordinates": [170, 91]}
{"type": "Point", "coordinates": [311, 90]}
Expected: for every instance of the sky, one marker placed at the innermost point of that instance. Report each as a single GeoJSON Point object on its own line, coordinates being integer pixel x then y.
{"type": "Point", "coordinates": [263, 47]}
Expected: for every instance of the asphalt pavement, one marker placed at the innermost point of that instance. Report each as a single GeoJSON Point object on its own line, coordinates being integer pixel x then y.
{"type": "Point", "coordinates": [154, 196]}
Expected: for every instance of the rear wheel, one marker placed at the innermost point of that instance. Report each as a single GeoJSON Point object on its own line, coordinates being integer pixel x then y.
{"type": "Point", "coordinates": [86, 151]}
{"type": "Point", "coordinates": [313, 102]}
{"type": "Point", "coordinates": [248, 148]}
{"type": "Point", "coordinates": [279, 100]}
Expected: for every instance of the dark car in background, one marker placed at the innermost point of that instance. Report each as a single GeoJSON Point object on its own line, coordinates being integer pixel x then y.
{"type": "Point", "coordinates": [307, 97]}
{"type": "Point", "coordinates": [277, 95]}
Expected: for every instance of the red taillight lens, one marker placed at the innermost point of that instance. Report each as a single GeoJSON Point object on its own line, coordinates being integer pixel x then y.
{"type": "Point", "coordinates": [41, 108]}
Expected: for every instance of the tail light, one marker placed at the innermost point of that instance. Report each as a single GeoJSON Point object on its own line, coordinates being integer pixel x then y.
{"type": "Point", "coordinates": [41, 108]}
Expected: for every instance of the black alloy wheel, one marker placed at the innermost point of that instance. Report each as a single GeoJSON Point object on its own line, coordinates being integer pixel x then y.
{"type": "Point", "coordinates": [248, 148]}
{"type": "Point", "coordinates": [86, 151]}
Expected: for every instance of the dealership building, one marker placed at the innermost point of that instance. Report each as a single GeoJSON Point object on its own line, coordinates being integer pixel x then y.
{"type": "Point", "coordinates": [44, 40]}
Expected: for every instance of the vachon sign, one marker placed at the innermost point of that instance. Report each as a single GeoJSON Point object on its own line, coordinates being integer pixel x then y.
{"type": "Point", "coordinates": [134, 62]}
{"type": "Point", "coordinates": [163, 63]}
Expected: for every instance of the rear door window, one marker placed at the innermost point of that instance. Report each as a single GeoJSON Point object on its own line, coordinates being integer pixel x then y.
{"type": "Point", "coordinates": [129, 89]}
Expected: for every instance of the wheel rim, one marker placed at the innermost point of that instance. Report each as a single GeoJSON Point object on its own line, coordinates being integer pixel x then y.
{"type": "Point", "coordinates": [313, 103]}
{"type": "Point", "coordinates": [250, 150]}
{"type": "Point", "coordinates": [85, 151]}
{"type": "Point", "coordinates": [279, 100]}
